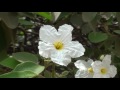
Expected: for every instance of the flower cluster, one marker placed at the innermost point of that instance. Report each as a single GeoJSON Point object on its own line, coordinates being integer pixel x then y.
{"type": "Point", "coordinates": [97, 69]}
{"type": "Point", "coordinates": [58, 45]}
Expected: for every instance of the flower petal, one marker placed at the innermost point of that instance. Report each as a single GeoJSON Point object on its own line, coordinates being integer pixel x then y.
{"type": "Point", "coordinates": [90, 61]}
{"type": "Point", "coordinates": [48, 34]}
{"type": "Point", "coordinates": [97, 75]}
{"type": "Point", "coordinates": [44, 49]}
{"type": "Point", "coordinates": [97, 66]}
{"type": "Point", "coordinates": [82, 74]}
{"type": "Point", "coordinates": [112, 71]}
{"type": "Point", "coordinates": [75, 49]}
{"type": "Point", "coordinates": [60, 57]}
{"type": "Point", "coordinates": [65, 32]}
{"type": "Point", "coordinates": [107, 59]}
{"type": "Point", "coordinates": [80, 64]}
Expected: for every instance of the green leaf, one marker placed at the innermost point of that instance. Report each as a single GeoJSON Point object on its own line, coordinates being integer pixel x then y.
{"type": "Point", "coordinates": [24, 70]}
{"type": "Point", "coordinates": [86, 29]}
{"type": "Point", "coordinates": [88, 16]}
{"type": "Point", "coordinates": [18, 74]}
{"type": "Point", "coordinates": [29, 66]}
{"type": "Point", "coordinates": [9, 62]}
{"type": "Point", "coordinates": [97, 37]}
{"type": "Point", "coordinates": [25, 22]}
{"type": "Point", "coordinates": [117, 31]}
{"type": "Point", "coordinates": [10, 19]}
{"type": "Point", "coordinates": [6, 36]}
{"type": "Point", "coordinates": [25, 56]}
{"type": "Point", "coordinates": [76, 20]}
{"type": "Point", "coordinates": [46, 15]}
{"type": "Point", "coordinates": [26, 14]}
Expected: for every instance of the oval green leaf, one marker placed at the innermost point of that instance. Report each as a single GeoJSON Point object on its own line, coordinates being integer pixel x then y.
{"type": "Point", "coordinates": [18, 74]}
{"type": "Point", "coordinates": [76, 20]}
{"type": "Point", "coordinates": [25, 56]}
{"type": "Point", "coordinates": [88, 16]}
{"type": "Point", "coordinates": [29, 66]}
{"type": "Point", "coordinates": [117, 31]}
{"type": "Point", "coordinates": [9, 62]}
{"type": "Point", "coordinates": [97, 37]}
{"type": "Point", "coordinates": [10, 19]}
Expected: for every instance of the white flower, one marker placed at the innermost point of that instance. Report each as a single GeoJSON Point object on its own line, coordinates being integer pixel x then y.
{"type": "Point", "coordinates": [104, 69]}
{"type": "Point", "coordinates": [58, 45]}
{"type": "Point", "coordinates": [85, 69]}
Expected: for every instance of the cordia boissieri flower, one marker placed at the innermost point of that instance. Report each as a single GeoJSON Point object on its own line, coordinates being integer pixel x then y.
{"type": "Point", "coordinates": [85, 69]}
{"type": "Point", "coordinates": [103, 69]}
{"type": "Point", "coordinates": [58, 45]}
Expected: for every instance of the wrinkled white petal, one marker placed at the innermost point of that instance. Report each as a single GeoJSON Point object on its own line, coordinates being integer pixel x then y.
{"type": "Point", "coordinates": [112, 71]}
{"type": "Point", "coordinates": [60, 57]}
{"type": "Point", "coordinates": [97, 75]}
{"type": "Point", "coordinates": [45, 49]}
{"type": "Point", "coordinates": [105, 76]}
{"type": "Point", "coordinates": [90, 61]}
{"type": "Point", "coordinates": [97, 66]}
{"type": "Point", "coordinates": [66, 33]}
{"type": "Point", "coordinates": [48, 34]}
{"type": "Point", "coordinates": [75, 49]}
{"type": "Point", "coordinates": [97, 63]}
{"type": "Point", "coordinates": [65, 27]}
{"type": "Point", "coordinates": [107, 59]}
{"type": "Point", "coordinates": [82, 74]}
{"type": "Point", "coordinates": [80, 64]}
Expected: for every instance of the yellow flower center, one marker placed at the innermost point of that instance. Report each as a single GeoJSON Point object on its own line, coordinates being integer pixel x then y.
{"type": "Point", "coordinates": [90, 70]}
{"type": "Point", "coordinates": [58, 45]}
{"type": "Point", "coordinates": [103, 71]}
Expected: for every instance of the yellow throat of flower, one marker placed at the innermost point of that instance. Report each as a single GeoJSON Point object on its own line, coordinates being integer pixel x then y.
{"type": "Point", "coordinates": [103, 71]}
{"type": "Point", "coordinates": [58, 45]}
{"type": "Point", "coordinates": [90, 70]}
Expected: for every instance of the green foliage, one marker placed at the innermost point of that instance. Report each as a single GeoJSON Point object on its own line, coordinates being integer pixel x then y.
{"type": "Point", "coordinates": [10, 19]}
{"type": "Point", "coordinates": [88, 16]}
{"type": "Point", "coordinates": [97, 37]}
{"type": "Point", "coordinates": [24, 70]}
{"type": "Point", "coordinates": [117, 31]}
{"type": "Point", "coordinates": [25, 22]}
{"type": "Point", "coordinates": [46, 15]}
{"type": "Point", "coordinates": [25, 56]}
{"type": "Point", "coordinates": [18, 74]}
{"type": "Point", "coordinates": [9, 62]}
{"type": "Point", "coordinates": [76, 20]}
{"type": "Point", "coordinates": [29, 66]}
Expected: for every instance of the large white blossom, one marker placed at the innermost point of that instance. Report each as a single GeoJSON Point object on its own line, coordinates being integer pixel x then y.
{"type": "Point", "coordinates": [85, 69]}
{"type": "Point", "coordinates": [58, 45]}
{"type": "Point", "coordinates": [103, 69]}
